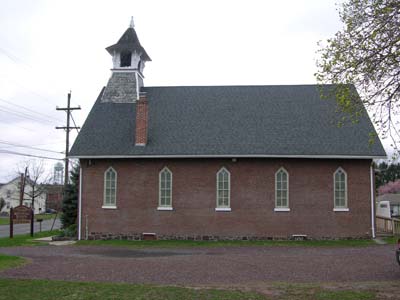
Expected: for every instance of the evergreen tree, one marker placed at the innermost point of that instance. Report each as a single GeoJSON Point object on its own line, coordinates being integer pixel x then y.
{"type": "Point", "coordinates": [70, 200]}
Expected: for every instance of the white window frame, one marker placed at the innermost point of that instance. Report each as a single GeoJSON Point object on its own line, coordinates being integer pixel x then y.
{"type": "Point", "coordinates": [228, 207]}
{"type": "Point", "coordinates": [164, 207]}
{"type": "Point", "coordinates": [281, 208]}
{"type": "Point", "coordinates": [110, 206]}
{"type": "Point", "coordinates": [339, 208]}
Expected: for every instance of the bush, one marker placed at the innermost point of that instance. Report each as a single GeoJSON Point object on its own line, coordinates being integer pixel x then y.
{"type": "Point", "coordinates": [71, 231]}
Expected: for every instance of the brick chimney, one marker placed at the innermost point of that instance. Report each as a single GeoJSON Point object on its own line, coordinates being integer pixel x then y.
{"type": "Point", "coordinates": [141, 120]}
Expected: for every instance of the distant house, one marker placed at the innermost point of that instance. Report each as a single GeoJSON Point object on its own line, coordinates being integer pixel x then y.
{"type": "Point", "coordinates": [394, 200]}
{"type": "Point", "coordinates": [220, 162]}
{"type": "Point", "coordinates": [10, 192]}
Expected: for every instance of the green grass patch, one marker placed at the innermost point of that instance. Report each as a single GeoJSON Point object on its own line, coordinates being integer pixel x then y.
{"type": "Point", "coordinates": [391, 239]}
{"type": "Point", "coordinates": [345, 295]}
{"type": "Point", "coordinates": [6, 220]}
{"type": "Point", "coordinates": [25, 289]}
{"type": "Point", "coordinates": [12, 289]}
{"type": "Point", "coordinates": [46, 216]}
{"type": "Point", "coordinates": [26, 239]}
{"type": "Point", "coordinates": [317, 292]}
{"type": "Point", "coordinates": [7, 261]}
{"type": "Point", "coordinates": [181, 243]}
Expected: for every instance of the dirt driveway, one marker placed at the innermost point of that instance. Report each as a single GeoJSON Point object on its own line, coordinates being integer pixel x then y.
{"type": "Point", "coordinates": [207, 266]}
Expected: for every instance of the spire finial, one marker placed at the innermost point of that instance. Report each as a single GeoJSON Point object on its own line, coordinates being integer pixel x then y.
{"type": "Point", "coordinates": [132, 25]}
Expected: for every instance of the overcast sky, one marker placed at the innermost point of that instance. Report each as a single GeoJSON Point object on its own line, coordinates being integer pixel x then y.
{"type": "Point", "coordinates": [50, 47]}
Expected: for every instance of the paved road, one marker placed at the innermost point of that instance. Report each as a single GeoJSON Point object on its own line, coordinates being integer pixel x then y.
{"type": "Point", "coordinates": [25, 228]}
{"type": "Point", "coordinates": [207, 266]}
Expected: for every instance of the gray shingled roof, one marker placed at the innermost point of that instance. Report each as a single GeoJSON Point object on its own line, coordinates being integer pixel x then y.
{"type": "Point", "coordinates": [129, 42]}
{"type": "Point", "coordinates": [227, 121]}
{"type": "Point", "coordinates": [393, 198]}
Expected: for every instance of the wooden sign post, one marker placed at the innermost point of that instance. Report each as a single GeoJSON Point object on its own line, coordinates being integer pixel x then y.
{"type": "Point", "coordinates": [11, 223]}
{"type": "Point", "coordinates": [21, 215]}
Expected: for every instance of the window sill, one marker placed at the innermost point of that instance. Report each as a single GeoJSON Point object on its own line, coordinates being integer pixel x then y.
{"type": "Point", "coordinates": [281, 209]}
{"type": "Point", "coordinates": [165, 208]}
{"type": "Point", "coordinates": [341, 209]}
{"type": "Point", "coordinates": [223, 209]}
{"type": "Point", "coordinates": [109, 207]}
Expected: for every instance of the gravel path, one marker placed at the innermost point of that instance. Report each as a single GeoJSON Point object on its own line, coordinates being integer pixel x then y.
{"type": "Point", "coordinates": [202, 266]}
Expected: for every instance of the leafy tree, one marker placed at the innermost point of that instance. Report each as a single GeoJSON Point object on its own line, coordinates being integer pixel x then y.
{"type": "Point", "coordinates": [366, 53]}
{"type": "Point", "coordinates": [387, 173]}
{"type": "Point", "coordinates": [390, 188]}
{"type": "Point", "coordinates": [70, 199]}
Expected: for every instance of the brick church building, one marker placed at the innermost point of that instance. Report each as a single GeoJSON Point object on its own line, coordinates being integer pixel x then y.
{"type": "Point", "coordinates": [220, 162]}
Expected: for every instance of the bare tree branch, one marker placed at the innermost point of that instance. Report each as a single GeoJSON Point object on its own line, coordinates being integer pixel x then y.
{"type": "Point", "coordinates": [366, 53]}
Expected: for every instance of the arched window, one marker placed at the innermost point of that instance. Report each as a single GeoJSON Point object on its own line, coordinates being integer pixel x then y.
{"type": "Point", "coordinates": [126, 59]}
{"type": "Point", "coordinates": [165, 190]}
{"type": "Point", "coordinates": [223, 190]}
{"type": "Point", "coordinates": [340, 189]}
{"type": "Point", "coordinates": [110, 188]}
{"type": "Point", "coordinates": [281, 190]}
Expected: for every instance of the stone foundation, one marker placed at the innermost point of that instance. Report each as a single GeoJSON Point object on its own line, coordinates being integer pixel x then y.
{"type": "Point", "coordinates": [139, 237]}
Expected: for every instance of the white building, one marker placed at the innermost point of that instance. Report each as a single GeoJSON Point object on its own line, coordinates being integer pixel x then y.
{"type": "Point", "coordinates": [10, 192]}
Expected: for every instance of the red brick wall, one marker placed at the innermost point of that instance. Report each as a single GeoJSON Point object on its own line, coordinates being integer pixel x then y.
{"type": "Point", "coordinates": [141, 121]}
{"type": "Point", "coordinates": [252, 198]}
{"type": "Point", "coordinates": [54, 195]}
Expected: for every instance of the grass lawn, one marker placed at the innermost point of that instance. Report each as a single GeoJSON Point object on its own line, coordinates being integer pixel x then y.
{"type": "Point", "coordinates": [18, 289]}
{"type": "Point", "coordinates": [7, 261]}
{"type": "Point", "coordinates": [181, 243]}
{"type": "Point", "coordinates": [26, 239]}
{"type": "Point", "coordinates": [47, 289]}
{"type": "Point", "coordinates": [319, 292]}
{"type": "Point", "coordinates": [6, 220]}
{"type": "Point", "coordinates": [391, 240]}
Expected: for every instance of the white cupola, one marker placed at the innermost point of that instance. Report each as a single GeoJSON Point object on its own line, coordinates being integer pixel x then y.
{"type": "Point", "coordinates": [127, 53]}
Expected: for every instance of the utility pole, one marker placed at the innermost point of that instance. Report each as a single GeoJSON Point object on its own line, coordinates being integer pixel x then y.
{"type": "Point", "coordinates": [22, 187]}
{"type": "Point", "coordinates": [67, 129]}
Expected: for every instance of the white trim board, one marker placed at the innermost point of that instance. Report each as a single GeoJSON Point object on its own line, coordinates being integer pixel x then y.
{"type": "Point", "coordinates": [80, 206]}
{"type": "Point", "coordinates": [231, 156]}
{"type": "Point", "coordinates": [372, 201]}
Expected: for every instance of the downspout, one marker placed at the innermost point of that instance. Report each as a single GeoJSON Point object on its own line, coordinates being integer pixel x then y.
{"type": "Point", "coordinates": [372, 201]}
{"type": "Point", "coordinates": [80, 205]}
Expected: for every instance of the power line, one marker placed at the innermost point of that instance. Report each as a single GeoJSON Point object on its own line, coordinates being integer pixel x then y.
{"type": "Point", "coordinates": [29, 155]}
{"type": "Point", "coordinates": [28, 109]}
{"type": "Point", "coordinates": [19, 61]}
{"type": "Point", "coordinates": [19, 115]}
{"type": "Point", "coordinates": [30, 90]}
{"type": "Point", "coordinates": [14, 58]}
{"type": "Point", "coordinates": [24, 115]}
{"type": "Point", "coordinates": [22, 127]}
{"type": "Point", "coordinates": [59, 142]}
{"type": "Point", "coordinates": [28, 147]}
